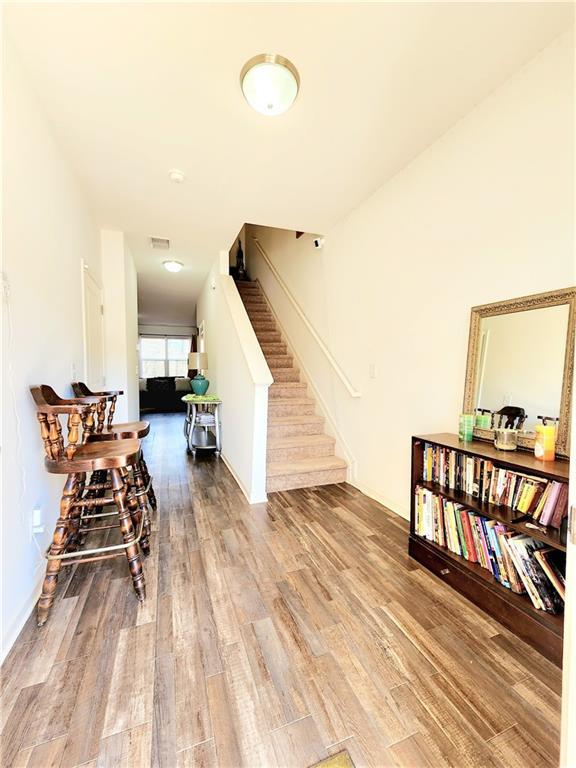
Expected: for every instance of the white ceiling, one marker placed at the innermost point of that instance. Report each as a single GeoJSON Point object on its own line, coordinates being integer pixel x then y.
{"type": "Point", "coordinates": [135, 89]}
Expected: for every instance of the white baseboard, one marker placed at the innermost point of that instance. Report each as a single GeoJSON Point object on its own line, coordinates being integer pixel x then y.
{"type": "Point", "coordinates": [9, 638]}
{"type": "Point", "coordinates": [393, 507]}
{"type": "Point", "coordinates": [251, 498]}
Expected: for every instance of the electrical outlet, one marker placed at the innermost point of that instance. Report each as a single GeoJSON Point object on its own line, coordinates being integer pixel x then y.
{"type": "Point", "coordinates": [37, 521]}
{"type": "Point", "coordinates": [73, 371]}
{"type": "Point", "coordinates": [372, 370]}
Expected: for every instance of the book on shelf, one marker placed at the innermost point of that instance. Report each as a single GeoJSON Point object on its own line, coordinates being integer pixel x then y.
{"type": "Point", "coordinates": [553, 563]}
{"type": "Point", "coordinates": [517, 561]}
{"type": "Point", "coordinates": [544, 500]}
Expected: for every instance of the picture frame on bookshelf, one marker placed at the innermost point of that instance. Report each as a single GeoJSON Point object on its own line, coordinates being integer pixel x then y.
{"type": "Point", "coordinates": [560, 374]}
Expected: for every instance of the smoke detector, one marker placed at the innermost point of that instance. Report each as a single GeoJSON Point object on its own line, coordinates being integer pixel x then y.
{"type": "Point", "coordinates": [176, 176]}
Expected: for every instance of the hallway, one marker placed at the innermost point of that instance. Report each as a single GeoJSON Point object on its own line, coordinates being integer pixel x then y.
{"type": "Point", "coordinates": [272, 635]}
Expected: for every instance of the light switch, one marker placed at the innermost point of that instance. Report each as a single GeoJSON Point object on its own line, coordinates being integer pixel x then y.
{"type": "Point", "coordinates": [37, 521]}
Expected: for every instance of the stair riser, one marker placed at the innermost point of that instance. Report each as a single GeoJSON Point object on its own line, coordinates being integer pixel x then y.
{"type": "Point", "coordinates": [268, 337]}
{"type": "Point", "coordinates": [264, 326]}
{"type": "Point", "coordinates": [305, 480]}
{"type": "Point", "coordinates": [278, 391]}
{"type": "Point", "coordinates": [292, 430]}
{"type": "Point", "coordinates": [262, 319]}
{"type": "Point", "coordinates": [274, 349]}
{"type": "Point", "coordinates": [249, 292]}
{"type": "Point", "coordinates": [279, 361]}
{"type": "Point", "coordinates": [260, 314]}
{"type": "Point", "coordinates": [284, 409]}
{"type": "Point", "coordinates": [285, 374]}
{"type": "Point", "coordinates": [256, 309]}
{"type": "Point", "coordinates": [300, 452]}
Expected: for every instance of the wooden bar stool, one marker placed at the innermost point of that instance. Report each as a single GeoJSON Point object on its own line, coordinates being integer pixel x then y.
{"type": "Point", "coordinates": [100, 479]}
{"type": "Point", "coordinates": [75, 459]}
{"type": "Point", "coordinates": [130, 429]}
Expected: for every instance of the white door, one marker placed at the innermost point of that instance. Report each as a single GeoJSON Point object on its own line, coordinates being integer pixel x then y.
{"type": "Point", "coordinates": [93, 333]}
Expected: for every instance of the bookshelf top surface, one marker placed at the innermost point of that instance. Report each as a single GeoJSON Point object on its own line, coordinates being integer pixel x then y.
{"type": "Point", "coordinates": [518, 460]}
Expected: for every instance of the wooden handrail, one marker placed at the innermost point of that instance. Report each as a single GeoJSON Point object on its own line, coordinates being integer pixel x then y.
{"type": "Point", "coordinates": [329, 356]}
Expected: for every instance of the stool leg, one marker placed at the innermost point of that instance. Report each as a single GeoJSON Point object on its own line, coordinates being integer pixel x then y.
{"type": "Point", "coordinates": [146, 476]}
{"type": "Point", "coordinates": [83, 528]}
{"type": "Point", "coordinates": [143, 506]}
{"type": "Point", "coordinates": [135, 510]}
{"type": "Point", "coordinates": [75, 514]}
{"type": "Point", "coordinates": [127, 530]}
{"type": "Point", "coordinates": [58, 542]}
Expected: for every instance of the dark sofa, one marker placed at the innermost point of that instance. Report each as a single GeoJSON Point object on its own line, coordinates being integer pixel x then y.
{"type": "Point", "coordinates": [164, 394]}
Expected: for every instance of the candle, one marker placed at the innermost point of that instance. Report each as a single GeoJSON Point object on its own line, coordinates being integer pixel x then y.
{"type": "Point", "coordinates": [466, 426]}
{"type": "Point", "coordinates": [545, 444]}
{"type": "Point", "coordinates": [483, 420]}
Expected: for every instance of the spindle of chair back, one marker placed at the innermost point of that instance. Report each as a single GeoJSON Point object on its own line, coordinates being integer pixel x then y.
{"type": "Point", "coordinates": [49, 407]}
{"type": "Point", "coordinates": [107, 397]}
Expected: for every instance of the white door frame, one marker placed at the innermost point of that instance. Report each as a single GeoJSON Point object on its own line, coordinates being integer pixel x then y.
{"type": "Point", "coordinates": [85, 277]}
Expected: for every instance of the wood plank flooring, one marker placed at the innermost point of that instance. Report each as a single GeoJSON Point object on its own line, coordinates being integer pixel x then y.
{"type": "Point", "coordinates": [272, 635]}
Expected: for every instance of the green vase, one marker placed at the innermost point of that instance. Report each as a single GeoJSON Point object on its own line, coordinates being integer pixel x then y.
{"type": "Point", "coordinates": [200, 384]}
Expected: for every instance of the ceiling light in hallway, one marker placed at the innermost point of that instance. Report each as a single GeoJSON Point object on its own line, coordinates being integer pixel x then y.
{"type": "Point", "coordinates": [173, 266]}
{"type": "Point", "coordinates": [269, 83]}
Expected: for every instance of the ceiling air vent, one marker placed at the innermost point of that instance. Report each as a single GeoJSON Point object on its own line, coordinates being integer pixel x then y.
{"type": "Point", "coordinates": [161, 243]}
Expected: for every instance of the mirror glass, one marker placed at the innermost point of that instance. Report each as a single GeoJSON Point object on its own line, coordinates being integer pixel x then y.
{"type": "Point", "coordinates": [521, 362]}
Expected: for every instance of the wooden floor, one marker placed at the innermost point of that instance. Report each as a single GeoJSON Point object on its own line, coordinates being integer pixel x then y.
{"type": "Point", "coordinates": [272, 635]}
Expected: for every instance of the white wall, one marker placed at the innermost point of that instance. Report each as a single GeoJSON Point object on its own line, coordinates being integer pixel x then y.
{"type": "Point", "coordinates": [239, 375]}
{"type": "Point", "coordinates": [485, 213]}
{"type": "Point", "coordinates": [120, 322]}
{"type": "Point", "coordinates": [47, 231]}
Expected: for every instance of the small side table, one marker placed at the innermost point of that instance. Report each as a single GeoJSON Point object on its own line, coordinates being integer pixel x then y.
{"type": "Point", "coordinates": [202, 428]}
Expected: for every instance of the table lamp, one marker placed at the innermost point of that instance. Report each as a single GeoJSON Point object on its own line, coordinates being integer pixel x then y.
{"type": "Point", "coordinates": [198, 361]}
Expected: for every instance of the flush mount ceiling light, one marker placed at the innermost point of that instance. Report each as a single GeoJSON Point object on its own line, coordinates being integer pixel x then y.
{"type": "Point", "coordinates": [269, 83]}
{"type": "Point", "coordinates": [176, 176]}
{"type": "Point", "coordinates": [173, 266]}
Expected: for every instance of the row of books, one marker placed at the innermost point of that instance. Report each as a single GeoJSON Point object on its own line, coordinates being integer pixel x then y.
{"type": "Point", "coordinates": [517, 561]}
{"type": "Point", "coordinates": [544, 500]}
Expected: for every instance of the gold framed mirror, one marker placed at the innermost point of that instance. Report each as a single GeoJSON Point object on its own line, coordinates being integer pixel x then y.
{"type": "Point", "coordinates": [521, 354]}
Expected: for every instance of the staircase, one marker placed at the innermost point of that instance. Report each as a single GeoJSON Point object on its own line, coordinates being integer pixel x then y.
{"type": "Point", "coordinates": [299, 454]}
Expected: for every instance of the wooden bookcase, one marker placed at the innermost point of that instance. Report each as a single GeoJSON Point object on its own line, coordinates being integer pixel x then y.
{"type": "Point", "coordinates": [540, 629]}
